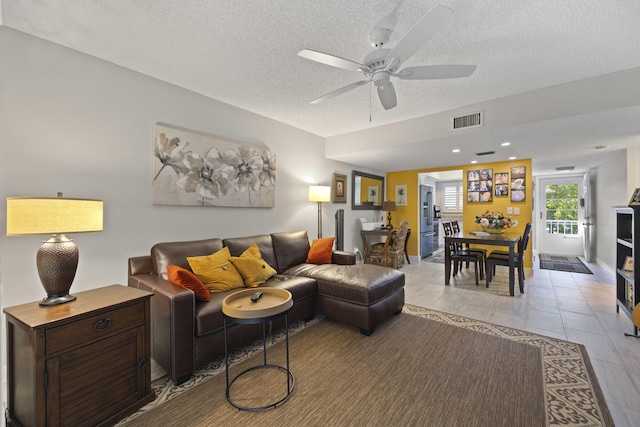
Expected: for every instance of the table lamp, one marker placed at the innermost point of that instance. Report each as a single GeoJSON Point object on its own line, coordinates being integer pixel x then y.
{"type": "Point", "coordinates": [57, 258]}
{"type": "Point", "coordinates": [389, 206]}
{"type": "Point", "coordinates": [319, 193]}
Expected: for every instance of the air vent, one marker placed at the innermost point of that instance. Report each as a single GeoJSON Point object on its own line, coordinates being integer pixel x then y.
{"type": "Point", "coordinates": [472, 120]}
{"type": "Point", "coordinates": [486, 153]}
{"type": "Point", "coordinates": [565, 168]}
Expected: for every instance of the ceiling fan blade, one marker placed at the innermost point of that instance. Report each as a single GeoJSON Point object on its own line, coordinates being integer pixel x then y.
{"type": "Point", "coordinates": [332, 60]}
{"type": "Point", "coordinates": [387, 95]}
{"type": "Point", "coordinates": [417, 36]}
{"type": "Point", "coordinates": [427, 72]}
{"type": "Point", "coordinates": [339, 91]}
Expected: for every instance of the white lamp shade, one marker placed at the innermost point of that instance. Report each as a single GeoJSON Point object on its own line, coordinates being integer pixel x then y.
{"type": "Point", "coordinates": [319, 193]}
{"type": "Point", "coordinates": [52, 215]}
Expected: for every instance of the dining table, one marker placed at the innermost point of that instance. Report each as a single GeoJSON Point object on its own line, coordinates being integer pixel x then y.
{"type": "Point", "coordinates": [508, 239]}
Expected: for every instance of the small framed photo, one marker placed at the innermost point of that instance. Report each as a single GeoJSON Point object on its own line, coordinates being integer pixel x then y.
{"type": "Point", "coordinates": [339, 188]}
{"type": "Point", "coordinates": [628, 264]}
{"type": "Point", "coordinates": [518, 183]}
{"type": "Point", "coordinates": [635, 199]}
{"type": "Point", "coordinates": [401, 195]}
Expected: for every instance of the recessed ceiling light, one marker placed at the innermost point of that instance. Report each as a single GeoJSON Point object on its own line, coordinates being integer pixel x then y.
{"type": "Point", "coordinates": [512, 158]}
{"type": "Point", "coordinates": [474, 162]}
{"type": "Point", "coordinates": [504, 144]}
{"type": "Point", "coordinates": [456, 150]}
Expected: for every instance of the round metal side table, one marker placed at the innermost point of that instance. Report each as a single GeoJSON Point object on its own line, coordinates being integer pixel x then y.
{"type": "Point", "coordinates": [239, 308]}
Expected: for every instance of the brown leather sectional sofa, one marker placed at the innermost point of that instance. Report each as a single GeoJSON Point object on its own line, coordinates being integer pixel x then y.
{"type": "Point", "coordinates": [188, 333]}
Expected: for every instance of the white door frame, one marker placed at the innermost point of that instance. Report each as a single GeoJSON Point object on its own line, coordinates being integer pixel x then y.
{"type": "Point", "coordinates": [575, 248]}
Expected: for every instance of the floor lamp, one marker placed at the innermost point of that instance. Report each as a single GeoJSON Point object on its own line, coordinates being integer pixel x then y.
{"type": "Point", "coordinates": [57, 258]}
{"type": "Point", "coordinates": [319, 193]}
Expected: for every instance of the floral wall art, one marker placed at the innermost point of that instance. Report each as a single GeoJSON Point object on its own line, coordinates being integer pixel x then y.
{"type": "Point", "coordinates": [199, 169]}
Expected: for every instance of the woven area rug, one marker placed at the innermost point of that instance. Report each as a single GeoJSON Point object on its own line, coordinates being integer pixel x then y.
{"type": "Point", "coordinates": [563, 263]}
{"type": "Point", "coordinates": [437, 257]}
{"type": "Point", "coordinates": [422, 367]}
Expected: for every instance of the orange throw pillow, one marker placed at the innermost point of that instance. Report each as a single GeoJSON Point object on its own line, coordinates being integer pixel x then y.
{"type": "Point", "coordinates": [183, 277]}
{"type": "Point", "coordinates": [321, 251]}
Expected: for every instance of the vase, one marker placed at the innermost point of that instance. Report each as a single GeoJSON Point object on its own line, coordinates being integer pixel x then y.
{"type": "Point", "coordinates": [493, 230]}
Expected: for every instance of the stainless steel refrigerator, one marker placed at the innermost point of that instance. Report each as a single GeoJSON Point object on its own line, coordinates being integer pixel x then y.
{"type": "Point", "coordinates": [428, 223]}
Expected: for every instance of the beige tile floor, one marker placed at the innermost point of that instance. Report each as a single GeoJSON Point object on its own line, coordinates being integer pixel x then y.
{"type": "Point", "coordinates": [571, 306]}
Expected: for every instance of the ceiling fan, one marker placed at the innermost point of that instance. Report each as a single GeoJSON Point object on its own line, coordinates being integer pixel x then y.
{"type": "Point", "coordinates": [383, 63]}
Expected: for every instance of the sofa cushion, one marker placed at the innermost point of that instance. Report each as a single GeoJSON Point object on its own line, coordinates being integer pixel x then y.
{"type": "Point", "coordinates": [237, 245]}
{"type": "Point", "coordinates": [216, 271]}
{"type": "Point", "coordinates": [176, 253]}
{"type": "Point", "coordinates": [321, 251]}
{"type": "Point", "coordinates": [254, 270]}
{"type": "Point", "coordinates": [183, 277]}
{"type": "Point", "coordinates": [209, 316]}
{"type": "Point", "coordinates": [291, 249]}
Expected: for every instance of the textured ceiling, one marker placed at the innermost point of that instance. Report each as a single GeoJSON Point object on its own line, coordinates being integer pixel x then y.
{"type": "Point", "coordinates": [244, 53]}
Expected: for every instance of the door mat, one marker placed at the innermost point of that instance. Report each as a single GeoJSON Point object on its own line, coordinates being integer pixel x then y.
{"type": "Point", "coordinates": [563, 263]}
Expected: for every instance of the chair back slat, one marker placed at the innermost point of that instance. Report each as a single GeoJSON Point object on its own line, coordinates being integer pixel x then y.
{"type": "Point", "coordinates": [523, 243]}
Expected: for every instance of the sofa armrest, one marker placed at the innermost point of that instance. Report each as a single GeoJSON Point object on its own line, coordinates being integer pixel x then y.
{"type": "Point", "coordinates": [343, 258]}
{"type": "Point", "coordinates": [139, 265]}
{"type": "Point", "coordinates": [172, 324]}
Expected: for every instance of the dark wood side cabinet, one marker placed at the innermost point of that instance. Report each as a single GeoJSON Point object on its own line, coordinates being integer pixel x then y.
{"type": "Point", "coordinates": [83, 363]}
{"type": "Point", "coordinates": [627, 246]}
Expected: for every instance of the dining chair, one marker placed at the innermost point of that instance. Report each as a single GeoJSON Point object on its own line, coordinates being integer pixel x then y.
{"type": "Point", "coordinates": [496, 258]}
{"type": "Point", "coordinates": [448, 228]}
{"type": "Point", "coordinates": [459, 255]}
{"type": "Point", "coordinates": [455, 225]}
{"type": "Point", "coordinates": [392, 253]}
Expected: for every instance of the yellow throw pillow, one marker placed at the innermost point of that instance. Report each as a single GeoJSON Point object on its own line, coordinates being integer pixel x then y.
{"type": "Point", "coordinates": [252, 267]}
{"type": "Point", "coordinates": [216, 271]}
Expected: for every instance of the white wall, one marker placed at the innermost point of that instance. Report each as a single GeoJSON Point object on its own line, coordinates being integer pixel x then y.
{"type": "Point", "coordinates": [608, 183]}
{"type": "Point", "coordinates": [76, 124]}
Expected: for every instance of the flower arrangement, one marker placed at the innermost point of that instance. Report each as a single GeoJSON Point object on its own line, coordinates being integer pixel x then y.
{"type": "Point", "coordinates": [495, 221]}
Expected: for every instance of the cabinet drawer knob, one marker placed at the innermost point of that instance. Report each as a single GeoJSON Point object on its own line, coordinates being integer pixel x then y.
{"type": "Point", "coordinates": [142, 363]}
{"type": "Point", "coordinates": [102, 324]}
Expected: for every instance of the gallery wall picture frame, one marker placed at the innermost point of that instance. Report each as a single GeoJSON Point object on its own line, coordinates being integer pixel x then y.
{"type": "Point", "coordinates": [501, 184]}
{"type": "Point", "coordinates": [339, 188]}
{"type": "Point", "coordinates": [635, 198]}
{"type": "Point", "coordinates": [401, 195]}
{"type": "Point", "coordinates": [518, 183]}
{"type": "Point", "coordinates": [480, 185]}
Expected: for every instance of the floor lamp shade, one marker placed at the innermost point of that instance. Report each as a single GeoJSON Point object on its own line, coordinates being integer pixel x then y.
{"type": "Point", "coordinates": [57, 258]}
{"type": "Point", "coordinates": [319, 193]}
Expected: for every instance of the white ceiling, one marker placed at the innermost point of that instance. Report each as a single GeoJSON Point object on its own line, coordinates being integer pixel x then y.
{"type": "Point", "coordinates": [244, 53]}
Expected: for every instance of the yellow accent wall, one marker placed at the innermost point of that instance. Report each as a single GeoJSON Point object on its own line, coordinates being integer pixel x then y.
{"type": "Point", "coordinates": [470, 209]}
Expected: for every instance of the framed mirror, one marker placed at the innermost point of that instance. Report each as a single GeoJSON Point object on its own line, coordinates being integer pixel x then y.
{"type": "Point", "coordinates": [368, 191]}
